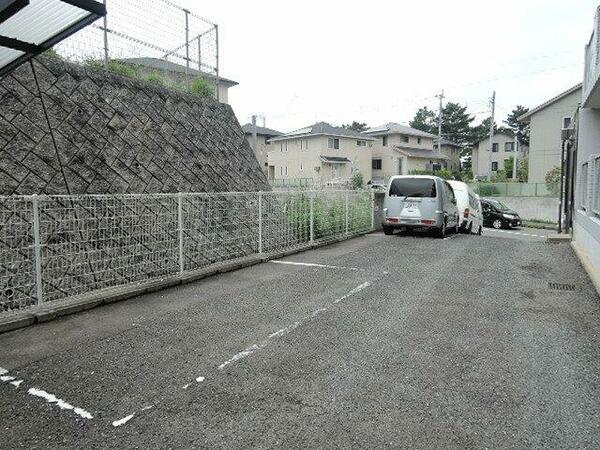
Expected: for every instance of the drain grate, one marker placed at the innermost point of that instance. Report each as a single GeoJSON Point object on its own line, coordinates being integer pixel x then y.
{"type": "Point", "coordinates": [562, 286]}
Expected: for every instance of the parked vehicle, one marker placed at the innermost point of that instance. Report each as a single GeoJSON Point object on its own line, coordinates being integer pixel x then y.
{"type": "Point", "coordinates": [469, 208]}
{"type": "Point", "coordinates": [497, 215]}
{"type": "Point", "coordinates": [420, 201]}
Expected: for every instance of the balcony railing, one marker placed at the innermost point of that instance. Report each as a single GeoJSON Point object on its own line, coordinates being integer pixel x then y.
{"type": "Point", "coordinates": [592, 58]}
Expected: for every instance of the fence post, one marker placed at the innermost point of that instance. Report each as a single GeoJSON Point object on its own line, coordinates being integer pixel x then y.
{"type": "Point", "coordinates": [217, 60]}
{"type": "Point", "coordinates": [105, 32]}
{"type": "Point", "coordinates": [199, 54]}
{"type": "Point", "coordinates": [187, 48]}
{"type": "Point", "coordinates": [180, 229]}
{"type": "Point", "coordinates": [346, 211]}
{"type": "Point", "coordinates": [312, 217]}
{"type": "Point", "coordinates": [37, 246]}
{"type": "Point", "coordinates": [372, 210]}
{"type": "Point", "coordinates": [260, 214]}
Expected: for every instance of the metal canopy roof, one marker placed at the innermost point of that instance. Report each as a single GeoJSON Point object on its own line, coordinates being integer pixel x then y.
{"type": "Point", "coordinates": [30, 27]}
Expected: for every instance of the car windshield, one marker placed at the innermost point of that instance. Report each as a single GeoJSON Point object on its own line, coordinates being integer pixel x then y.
{"type": "Point", "coordinates": [413, 187]}
{"type": "Point", "coordinates": [499, 205]}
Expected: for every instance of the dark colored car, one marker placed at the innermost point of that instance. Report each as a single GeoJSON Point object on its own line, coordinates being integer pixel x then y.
{"type": "Point", "coordinates": [497, 215]}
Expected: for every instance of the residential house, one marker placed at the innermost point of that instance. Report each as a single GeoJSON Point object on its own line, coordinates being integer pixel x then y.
{"type": "Point", "coordinates": [177, 73]}
{"type": "Point", "coordinates": [321, 152]}
{"type": "Point", "coordinates": [452, 150]}
{"type": "Point", "coordinates": [261, 149]}
{"type": "Point", "coordinates": [503, 149]}
{"type": "Point", "coordinates": [545, 123]}
{"type": "Point", "coordinates": [400, 149]}
{"type": "Point", "coordinates": [586, 217]}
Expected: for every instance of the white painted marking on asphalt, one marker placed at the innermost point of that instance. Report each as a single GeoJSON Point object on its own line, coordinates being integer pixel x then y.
{"type": "Point", "coordinates": [200, 379]}
{"type": "Point", "coordinates": [250, 350]}
{"type": "Point", "coordinates": [16, 383]}
{"type": "Point", "coordinates": [6, 378]}
{"type": "Point", "coordinates": [3, 371]}
{"type": "Point", "coordinates": [185, 386]}
{"type": "Point", "coordinates": [51, 398]}
{"type": "Point", "coordinates": [146, 408]}
{"type": "Point", "coordinates": [322, 266]}
{"type": "Point", "coordinates": [356, 290]}
{"type": "Point", "coordinates": [241, 355]}
{"type": "Point", "coordinates": [124, 420]}
{"type": "Point", "coordinates": [517, 232]}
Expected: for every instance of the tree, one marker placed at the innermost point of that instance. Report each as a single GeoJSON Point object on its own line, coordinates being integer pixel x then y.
{"type": "Point", "coordinates": [553, 180]}
{"type": "Point", "coordinates": [523, 170]}
{"type": "Point", "coordinates": [356, 180]}
{"type": "Point", "coordinates": [520, 129]}
{"type": "Point", "coordinates": [424, 120]}
{"type": "Point", "coordinates": [356, 126]}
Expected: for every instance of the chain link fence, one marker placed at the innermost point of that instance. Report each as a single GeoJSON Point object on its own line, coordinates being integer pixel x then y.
{"type": "Point", "coordinates": [54, 248]}
{"type": "Point", "coordinates": [155, 40]}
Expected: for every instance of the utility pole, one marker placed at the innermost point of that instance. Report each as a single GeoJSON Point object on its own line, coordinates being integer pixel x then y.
{"type": "Point", "coordinates": [254, 134]}
{"type": "Point", "coordinates": [440, 118]}
{"type": "Point", "coordinates": [493, 105]}
{"type": "Point", "coordinates": [516, 156]}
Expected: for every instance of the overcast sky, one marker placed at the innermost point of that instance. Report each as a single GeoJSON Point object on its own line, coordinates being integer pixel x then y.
{"type": "Point", "coordinates": [378, 61]}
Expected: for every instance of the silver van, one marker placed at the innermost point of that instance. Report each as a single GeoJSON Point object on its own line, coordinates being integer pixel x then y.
{"type": "Point", "coordinates": [420, 201]}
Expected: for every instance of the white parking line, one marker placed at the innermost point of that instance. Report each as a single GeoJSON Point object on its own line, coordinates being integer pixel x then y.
{"type": "Point", "coordinates": [516, 232]}
{"type": "Point", "coordinates": [322, 266]}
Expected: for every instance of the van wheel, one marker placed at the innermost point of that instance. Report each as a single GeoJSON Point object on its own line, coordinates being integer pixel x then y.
{"type": "Point", "coordinates": [497, 224]}
{"type": "Point", "coordinates": [388, 230]}
{"type": "Point", "coordinates": [441, 232]}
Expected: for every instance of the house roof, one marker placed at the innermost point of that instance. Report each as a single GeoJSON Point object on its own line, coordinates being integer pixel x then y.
{"type": "Point", "coordinates": [261, 131]}
{"type": "Point", "coordinates": [334, 159]}
{"type": "Point", "coordinates": [396, 128]}
{"type": "Point", "coordinates": [322, 128]}
{"type": "Point", "coordinates": [544, 105]}
{"type": "Point", "coordinates": [447, 143]}
{"type": "Point", "coordinates": [168, 66]}
{"type": "Point", "coordinates": [414, 152]}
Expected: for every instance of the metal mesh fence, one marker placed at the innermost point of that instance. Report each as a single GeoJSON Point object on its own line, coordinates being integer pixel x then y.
{"type": "Point", "coordinates": [54, 248]}
{"type": "Point", "coordinates": [154, 40]}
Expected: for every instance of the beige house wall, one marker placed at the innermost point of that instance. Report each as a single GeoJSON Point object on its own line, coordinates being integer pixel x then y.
{"type": "Point", "coordinates": [545, 136]}
{"type": "Point", "coordinates": [480, 155]}
{"type": "Point", "coordinates": [261, 151]}
{"type": "Point", "coordinates": [291, 159]}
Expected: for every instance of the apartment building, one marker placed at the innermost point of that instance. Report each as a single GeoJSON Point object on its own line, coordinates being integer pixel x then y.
{"type": "Point", "coordinates": [452, 150]}
{"type": "Point", "coordinates": [503, 149]}
{"type": "Point", "coordinates": [545, 123]}
{"type": "Point", "coordinates": [586, 216]}
{"type": "Point", "coordinates": [400, 149]}
{"type": "Point", "coordinates": [261, 148]}
{"type": "Point", "coordinates": [322, 152]}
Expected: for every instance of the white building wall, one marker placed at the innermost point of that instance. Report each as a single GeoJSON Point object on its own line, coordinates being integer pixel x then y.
{"type": "Point", "coordinates": [545, 136]}
{"type": "Point", "coordinates": [480, 155]}
{"type": "Point", "coordinates": [586, 226]}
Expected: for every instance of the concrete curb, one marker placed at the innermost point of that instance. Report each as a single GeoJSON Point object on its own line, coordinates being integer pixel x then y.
{"type": "Point", "coordinates": [587, 265]}
{"type": "Point", "coordinates": [84, 302]}
{"type": "Point", "coordinates": [558, 238]}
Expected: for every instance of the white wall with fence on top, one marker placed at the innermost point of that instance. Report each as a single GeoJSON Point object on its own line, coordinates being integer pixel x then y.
{"type": "Point", "coordinates": [54, 248]}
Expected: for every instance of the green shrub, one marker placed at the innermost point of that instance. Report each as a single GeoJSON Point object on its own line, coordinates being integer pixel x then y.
{"type": "Point", "coordinates": [202, 87]}
{"type": "Point", "coordinates": [552, 179]}
{"type": "Point", "coordinates": [357, 180]}
{"type": "Point", "coordinates": [487, 190]}
{"type": "Point", "coordinates": [155, 78]}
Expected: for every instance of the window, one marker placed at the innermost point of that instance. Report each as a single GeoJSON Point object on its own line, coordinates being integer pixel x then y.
{"type": "Point", "coordinates": [495, 166]}
{"type": "Point", "coordinates": [286, 148]}
{"type": "Point", "coordinates": [281, 147]}
{"type": "Point", "coordinates": [281, 170]}
{"type": "Point", "coordinates": [495, 147]}
{"type": "Point", "coordinates": [583, 187]}
{"type": "Point", "coordinates": [566, 122]}
{"type": "Point", "coordinates": [413, 187]}
{"type": "Point", "coordinates": [333, 143]}
{"type": "Point", "coordinates": [596, 187]}
{"type": "Point", "coordinates": [303, 144]}
{"type": "Point", "coordinates": [404, 138]}
{"type": "Point", "coordinates": [436, 166]}
{"type": "Point", "coordinates": [361, 143]}
{"type": "Point", "coordinates": [376, 164]}
{"type": "Point", "coordinates": [509, 146]}
{"type": "Point", "coordinates": [384, 140]}
{"type": "Point", "coordinates": [301, 167]}
{"type": "Point", "coordinates": [286, 171]}
{"type": "Point", "coordinates": [418, 140]}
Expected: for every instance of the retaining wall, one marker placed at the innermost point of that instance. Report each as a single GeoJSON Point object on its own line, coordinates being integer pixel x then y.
{"type": "Point", "coordinates": [532, 208]}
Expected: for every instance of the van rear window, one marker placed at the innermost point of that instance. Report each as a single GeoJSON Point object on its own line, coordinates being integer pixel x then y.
{"type": "Point", "coordinates": [413, 187]}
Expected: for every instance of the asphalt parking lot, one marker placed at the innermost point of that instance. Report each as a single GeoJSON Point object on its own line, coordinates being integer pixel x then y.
{"type": "Point", "coordinates": [380, 341]}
